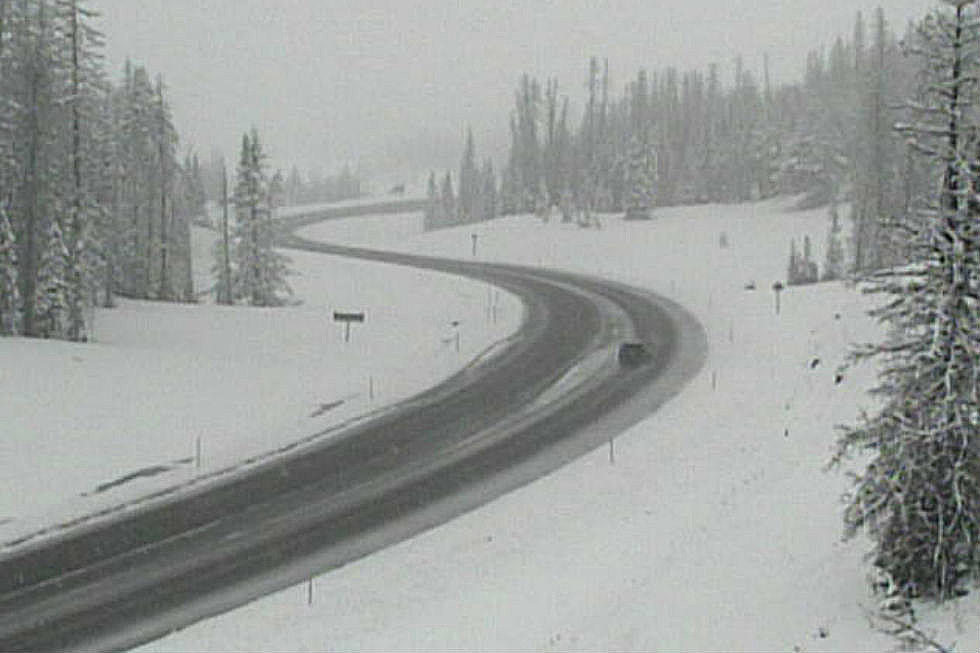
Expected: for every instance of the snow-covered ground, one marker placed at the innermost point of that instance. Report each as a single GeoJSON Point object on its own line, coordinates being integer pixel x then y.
{"type": "Point", "coordinates": [715, 529]}
{"type": "Point", "coordinates": [86, 428]}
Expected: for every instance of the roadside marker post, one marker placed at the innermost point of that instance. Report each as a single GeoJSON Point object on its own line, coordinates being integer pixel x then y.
{"type": "Point", "coordinates": [778, 288]}
{"type": "Point", "coordinates": [455, 325]}
{"type": "Point", "coordinates": [347, 319]}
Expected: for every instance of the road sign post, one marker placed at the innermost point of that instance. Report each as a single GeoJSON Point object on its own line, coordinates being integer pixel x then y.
{"type": "Point", "coordinates": [455, 325]}
{"type": "Point", "coordinates": [347, 319]}
{"type": "Point", "coordinates": [778, 288]}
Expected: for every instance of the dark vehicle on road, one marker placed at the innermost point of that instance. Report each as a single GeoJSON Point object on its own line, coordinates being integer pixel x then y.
{"type": "Point", "coordinates": [634, 354]}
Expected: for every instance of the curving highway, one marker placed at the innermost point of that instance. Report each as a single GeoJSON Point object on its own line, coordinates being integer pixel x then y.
{"type": "Point", "coordinates": [134, 577]}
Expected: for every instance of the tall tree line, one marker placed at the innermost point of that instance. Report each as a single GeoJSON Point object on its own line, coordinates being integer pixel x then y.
{"type": "Point", "coordinates": [477, 198]}
{"type": "Point", "coordinates": [314, 187]}
{"type": "Point", "coordinates": [672, 137]}
{"type": "Point", "coordinates": [93, 201]}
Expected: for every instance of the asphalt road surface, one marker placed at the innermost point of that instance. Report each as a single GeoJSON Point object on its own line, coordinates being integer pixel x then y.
{"type": "Point", "coordinates": [132, 578]}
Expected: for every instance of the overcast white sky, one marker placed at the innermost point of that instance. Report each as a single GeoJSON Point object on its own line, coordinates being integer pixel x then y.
{"type": "Point", "coordinates": [369, 81]}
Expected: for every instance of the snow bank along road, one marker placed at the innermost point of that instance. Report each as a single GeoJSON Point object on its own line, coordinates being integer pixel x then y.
{"type": "Point", "coordinates": [473, 437]}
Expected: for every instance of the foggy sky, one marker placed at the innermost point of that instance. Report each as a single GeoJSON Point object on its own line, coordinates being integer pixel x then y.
{"type": "Point", "coordinates": [392, 84]}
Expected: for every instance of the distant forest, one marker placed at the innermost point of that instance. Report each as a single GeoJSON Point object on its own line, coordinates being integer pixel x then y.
{"type": "Point", "coordinates": [296, 188]}
{"type": "Point", "coordinates": [96, 199]}
{"type": "Point", "coordinates": [672, 137]}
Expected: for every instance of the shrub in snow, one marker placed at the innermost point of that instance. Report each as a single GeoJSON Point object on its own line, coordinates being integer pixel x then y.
{"type": "Point", "coordinates": [919, 497]}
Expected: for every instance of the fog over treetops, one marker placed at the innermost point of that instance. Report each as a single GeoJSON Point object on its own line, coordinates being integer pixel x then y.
{"type": "Point", "coordinates": [390, 85]}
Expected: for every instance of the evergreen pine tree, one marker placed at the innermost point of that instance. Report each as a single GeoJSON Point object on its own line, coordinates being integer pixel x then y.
{"type": "Point", "coordinates": [432, 208]}
{"type": "Point", "coordinates": [222, 252]}
{"type": "Point", "coordinates": [639, 180]}
{"type": "Point", "coordinates": [810, 271]}
{"type": "Point", "coordinates": [469, 183]}
{"type": "Point", "coordinates": [447, 204]}
{"type": "Point", "coordinates": [260, 271]}
{"type": "Point", "coordinates": [86, 125]}
{"type": "Point", "coordinates": [793, 269]}
{"type": "Point", "coordinates": [9, 293]}
{"type": "Point", "coordinates": [488, 192]}
{"type": "Point", "coordinates": [195, 195]}
{"type": "Point", "coordinates": [37, 93]}
{"type": "Point", "coordinates": [274, 265]}
{"type": "Point", "coordinates": [52, 286]}
{"type": "Point", "coordinates": [833, 268]}
{"type": "Point", "coordinates": [919, 498]}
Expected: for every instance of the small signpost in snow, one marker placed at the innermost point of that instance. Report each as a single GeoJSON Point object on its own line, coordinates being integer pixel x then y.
{"type": "Point", "coordinates": [455, 325]}
{"type": "Point", "coordinates": [347, 319]}
{"type": "Point", "coordinates": [777, 288]}
{"type": "Point", "coordinates": [474, 237]}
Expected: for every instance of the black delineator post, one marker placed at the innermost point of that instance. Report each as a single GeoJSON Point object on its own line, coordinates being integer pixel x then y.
{"type": "Point", "coordinates": [474, 237]}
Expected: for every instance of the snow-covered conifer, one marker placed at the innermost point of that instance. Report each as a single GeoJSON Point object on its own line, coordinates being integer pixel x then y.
{"type": "Point", "coordinates": [431, 215]}
{"type": "Point", "coordinates": [640, 177]}
{"type": "Point", "coordinates": [260, 272]}
{"type": "Point", "coordinates": [833, 268]}
{"type": "Point", "coordinates": [223, 291]}
{"type": "Point", "coordinates": [9, 293]}
{"type": "Point", "coordinates": [447, 206]}
{"type": "Point", "coordinates": [86, 125]}
{"type": "Point", "coordinates": [810, 270]}
{"type": "Point", "coordinates": [469, 183]}
{"type": "Point", "coordinates": [52, 287]}
{"type": "Point", "coordinates": [919, 497]}
{"type": "Point", "coordinates": [488, 192]}
{"type": "Point", "coordinates": [793, 269]}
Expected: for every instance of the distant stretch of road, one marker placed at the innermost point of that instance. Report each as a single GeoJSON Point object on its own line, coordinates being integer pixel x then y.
{"type": "Point", "coordinates": [136, 576]}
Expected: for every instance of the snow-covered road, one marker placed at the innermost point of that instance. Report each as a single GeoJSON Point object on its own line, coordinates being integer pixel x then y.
{"type": "Point", "coordinates": [89, 428]}
{"type": "Point", "coordinates": [466, 436]}
{"type": "Point", "coordinates": [716, 529]}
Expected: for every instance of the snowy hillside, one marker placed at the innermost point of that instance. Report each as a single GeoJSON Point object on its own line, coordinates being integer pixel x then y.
{"type": "Point", "coordinates": [96, 426]}
{"type": "Point", "coordinates": [715, 529]}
